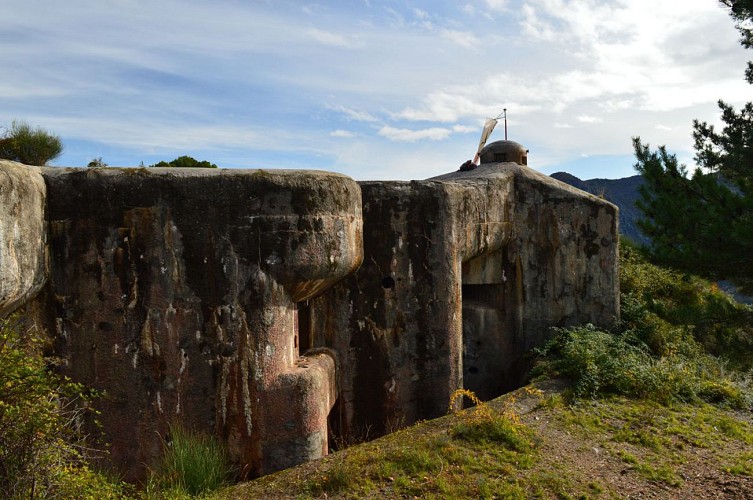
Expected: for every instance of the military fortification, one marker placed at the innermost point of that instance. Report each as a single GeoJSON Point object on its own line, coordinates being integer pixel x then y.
{"type": "Point", "coordinates": [280, 309]}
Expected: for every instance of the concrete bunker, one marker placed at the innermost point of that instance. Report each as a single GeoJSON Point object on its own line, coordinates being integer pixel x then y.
{"type": "Point", "coordinates": [233, 300]}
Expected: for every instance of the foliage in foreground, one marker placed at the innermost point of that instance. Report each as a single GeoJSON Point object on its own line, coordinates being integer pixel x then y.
{"type": "Point", "coordinates": [42, 454]}
{"type": "Point", "coordinates": [28, 145]}
{"type": "Point", "coordinates": [680, 340]}
{"type": "Point", "coordinates": [193, 464]}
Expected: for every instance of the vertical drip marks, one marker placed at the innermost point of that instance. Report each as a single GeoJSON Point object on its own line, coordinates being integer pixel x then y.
{"type": "Point", "coordinates": [174, 247]}
{"type": "Point", "coordinates": [148, 342]}
{"type": "Point", "coordinates": [170, 316]}
{"type": "Point", "coordinates": [247, 411]}
{"type": "Point", "coordinates": [237, 365]}
{"type": "Point", "coordinates": [133, 292]}
{"type": "Point", "coordinates": [224, 388]}
{"type": "Point", "coordinates": [183, 366]}
{"type": "Point", "coordinates": [519, 295]}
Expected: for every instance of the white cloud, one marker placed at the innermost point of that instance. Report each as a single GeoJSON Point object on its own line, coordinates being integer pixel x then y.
{"type": "Point", "coordinates": [342, 133]}
{"type": "Point", "coordinates": [354, 114]}
{"type": "Point", "coordinates": [421, 14]}
{"type": "Point", "coordinates": [464, 129]}
{"type": "Point", "coordinates": [262, 77]}
{"type": "Point", "coordinates": [26, 91]}
{"type": "Point", "coordinates": [332, 39]}
{"type": "Point", "coordinates": [470, 10]}
{"type": "Point", "coordinates": [406, 135]}
{"type": "Point", "coordinates": [621, 103]}
{"type": "Point", "coordinates": [535, 27]}
{"type": "Point", "coordinates": [463, 38]}
{"type": "Point", "coordinates": [589, 119]}
{"type": "Point", "coordinates": [168, 136]}
{"type": "Point", "coordinates": [500, 5]}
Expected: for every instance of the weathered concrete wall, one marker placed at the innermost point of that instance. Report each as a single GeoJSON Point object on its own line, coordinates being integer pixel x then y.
{"type": "Point", "coordinates": [175, 292]}
{"type": "Point", "coordinates": [229, 300]}
{"type": "Point", "coordinates": [461, 276]}
{"type": "Point", "coordinates": [22, 234]}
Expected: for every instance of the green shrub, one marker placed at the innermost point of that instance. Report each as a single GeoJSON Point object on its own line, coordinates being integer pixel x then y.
{"type": "Point", "coordinates": [601, 363]}
{"type": "Point", "coordinates": [665, 309]}
{"type": "Point", "coordinates": [29, 145]}
{"type": "Point", "coordinates": [678, 337]}
{"type": "Point", "coordinates": [193, 464]}
{"type": "Point", "coordinates": [42, 454]}
{"type": "Point", "coordinates": [184, 162]}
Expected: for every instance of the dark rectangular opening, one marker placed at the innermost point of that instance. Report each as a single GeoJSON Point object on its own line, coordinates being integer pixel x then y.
{"type": "Point", "coordinates": [489, 295]}
{"type": "Point", "coordinates": [303, 323]}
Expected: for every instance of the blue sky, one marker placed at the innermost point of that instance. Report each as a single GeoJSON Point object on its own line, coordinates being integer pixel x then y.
{"type": "Point", "coordinates": [373, 89]}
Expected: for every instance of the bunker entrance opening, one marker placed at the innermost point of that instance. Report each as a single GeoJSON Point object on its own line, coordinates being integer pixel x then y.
{"type": "Point", "coordinates": [487, 343]}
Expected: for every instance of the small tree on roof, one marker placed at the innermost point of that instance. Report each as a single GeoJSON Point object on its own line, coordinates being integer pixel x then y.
{"type": "Point", "coordinates": [28, 145]}
{"type": "Point", "coordinates": [185, 162]}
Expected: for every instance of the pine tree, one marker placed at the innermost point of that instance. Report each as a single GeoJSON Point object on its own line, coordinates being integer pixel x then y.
{"type": "Point", "coordinates": [704, 222]}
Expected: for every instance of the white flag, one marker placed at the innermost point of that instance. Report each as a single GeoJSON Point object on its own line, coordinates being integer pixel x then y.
{"type": "Point", "coordinates": [488, 127]}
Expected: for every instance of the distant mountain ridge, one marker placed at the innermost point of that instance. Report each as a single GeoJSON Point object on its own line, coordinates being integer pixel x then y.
{"type": "Point", "coordinates": [621, 192]}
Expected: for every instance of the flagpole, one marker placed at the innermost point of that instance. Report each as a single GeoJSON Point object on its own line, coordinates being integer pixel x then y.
{"type": "Point", "coordinates": [505, 113]}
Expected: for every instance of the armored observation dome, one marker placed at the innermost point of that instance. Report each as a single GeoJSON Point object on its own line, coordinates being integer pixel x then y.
{"type": "Point", "coordinates": [504, 151]}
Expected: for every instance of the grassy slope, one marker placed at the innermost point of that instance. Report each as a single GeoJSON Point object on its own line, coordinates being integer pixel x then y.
{"type": "Point", "coordinates": [592, 449]}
